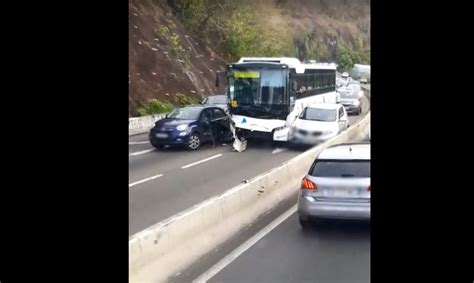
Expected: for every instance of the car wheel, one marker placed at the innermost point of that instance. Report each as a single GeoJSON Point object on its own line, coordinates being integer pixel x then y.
{"type": "Point", "coordinates": [194, 141]}
{"type": "Point", "coordinates": [305, 222]}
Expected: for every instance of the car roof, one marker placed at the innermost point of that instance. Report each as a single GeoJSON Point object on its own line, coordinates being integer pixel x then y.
{"type": "Point", "coordinates": [324, 106]}
{"type": "Point", "coordinates": [346, 88]}
{"type": "Point", "coordinates": [351, 151]}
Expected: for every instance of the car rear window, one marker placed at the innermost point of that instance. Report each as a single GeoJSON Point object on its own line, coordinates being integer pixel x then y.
{"type": "Point", "coordinates": [341, 168]}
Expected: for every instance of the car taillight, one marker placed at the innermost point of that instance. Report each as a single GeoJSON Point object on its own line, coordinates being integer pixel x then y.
{"type": "Point", "coordinates": [368, 189]}
{"type": "Point", "coordinates": [308, 185]}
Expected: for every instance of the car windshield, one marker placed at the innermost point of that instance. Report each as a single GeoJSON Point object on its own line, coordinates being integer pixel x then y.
{"type": "Point", "coordinates": [342, 168]}
{"type": "Point", "coordinates": [185, 113]}
{"type": "Point", "coordinates": [347, 94]}
{"type": "Point", "coordinates": [315, 114]}
{"type": "Point", "coordinates": [218, 99]}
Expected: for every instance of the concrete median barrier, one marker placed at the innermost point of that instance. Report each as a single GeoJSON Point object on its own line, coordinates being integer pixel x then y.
{"type": "Point", "coordinates": [141, 125]}
{"type": "Point", "coordinates": [170, 246]}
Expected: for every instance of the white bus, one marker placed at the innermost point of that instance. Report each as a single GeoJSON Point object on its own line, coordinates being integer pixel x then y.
{"type": "Point", "coordinates": [267, 94]}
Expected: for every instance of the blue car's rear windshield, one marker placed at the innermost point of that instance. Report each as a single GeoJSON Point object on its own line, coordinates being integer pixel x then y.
{"type": "Point", "coordinates": [187, 113]}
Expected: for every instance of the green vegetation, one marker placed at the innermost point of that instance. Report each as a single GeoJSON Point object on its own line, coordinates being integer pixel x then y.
{"type": "Point", "coordinates": [164, 31]}
{"type": "Point", "coordinates": [347, 56]}
{"type": "Point", "coordinates": [155, 106]}
{"type": "Point", "coordinates": [173, 39]}
{"type": "Point", "coordinates": [262, 28]}
{"type": "Point", "coordinates": [235, 26]}
{"type": "Point", "coordinates": [182, 99]}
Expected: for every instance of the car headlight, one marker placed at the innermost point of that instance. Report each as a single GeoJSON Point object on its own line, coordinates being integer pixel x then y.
{"type": "Point", "coordinates": [181, 127]}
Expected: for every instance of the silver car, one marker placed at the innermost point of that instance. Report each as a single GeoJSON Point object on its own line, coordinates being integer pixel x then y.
{"type": "Point", "coordinates": [351, 99]}
{"type": "Point", "coordinates": [337, 185]}
{"type": "Point", "coordinates": [221, 101]}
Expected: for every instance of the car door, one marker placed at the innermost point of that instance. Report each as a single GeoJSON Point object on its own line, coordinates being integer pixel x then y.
{"type": "Point", "coordinates": [342, 119]}
{"type": "Point", "coordinates": [220, 122]}
{"type": "Point", "coordinates": [205, 122]}
{"type": "Point", "coordinates": [345, 118]}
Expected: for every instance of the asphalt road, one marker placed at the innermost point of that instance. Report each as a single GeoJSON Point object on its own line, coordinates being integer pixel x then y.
{"type": "Point", "coordinates": [163, 183]}
{"type": "Point", "coordinates": [337, 252]}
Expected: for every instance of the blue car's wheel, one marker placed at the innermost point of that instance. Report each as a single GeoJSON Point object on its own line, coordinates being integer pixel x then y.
{"type": "Point", "coordinates": [194, 141]}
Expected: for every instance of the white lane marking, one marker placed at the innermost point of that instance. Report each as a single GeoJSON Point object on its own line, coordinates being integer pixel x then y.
{"type": "Point", "coordinates": [277, 150]}
{"type": "Point", "coordinates": [142, 152]}
{"type": "Point", "coordinates": [144, 180]}
{"type": "Point", "coordinates": [138, 142]}
{"type": "Point", "coordinates": [242, 248]}
{"type": "Point", "coordinates": [201, 161]}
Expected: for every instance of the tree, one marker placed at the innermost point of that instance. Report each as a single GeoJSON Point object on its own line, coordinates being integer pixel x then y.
{"type": "Point", "coordinates": [344, 61]}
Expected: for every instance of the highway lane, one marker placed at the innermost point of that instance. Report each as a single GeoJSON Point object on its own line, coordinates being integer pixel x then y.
{"type": "Point", "coordinates": [336, 252]}
{"type": "Point", "coordinates": [160, 187]}
{"type": "Point", "coordinates": [180, 188]}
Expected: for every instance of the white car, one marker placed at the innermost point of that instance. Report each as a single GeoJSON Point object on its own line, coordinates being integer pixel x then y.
{"type": "Point", "coordinates": [357, 88]}
{"type": "Point", "coordinates": [318, 123]}
{"type": "Point", "coordinates": [353, 82]}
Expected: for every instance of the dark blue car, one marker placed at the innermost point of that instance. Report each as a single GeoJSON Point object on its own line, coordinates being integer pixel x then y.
{"type": "Point", "coordinates": [191, 126]}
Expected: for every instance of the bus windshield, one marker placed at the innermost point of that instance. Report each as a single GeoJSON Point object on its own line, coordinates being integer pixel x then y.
{"type": "Point", "coordinates": [259, 91]}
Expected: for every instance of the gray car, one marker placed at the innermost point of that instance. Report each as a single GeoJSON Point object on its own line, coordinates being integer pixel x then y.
{"type": "Point", "coordinates": [351, 99]}
{"type": "Point", "coordinates": [337, 186]}
{"type": "Point", "coordinates": [221, 101]}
